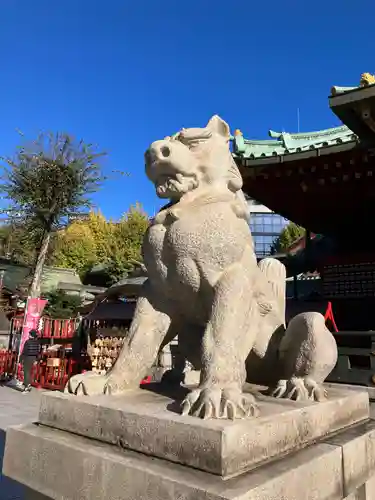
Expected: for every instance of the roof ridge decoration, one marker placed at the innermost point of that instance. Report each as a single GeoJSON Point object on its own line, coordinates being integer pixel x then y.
{"type": "Point", "coordinates": [367, 79]}
{"type": "Point", "coordinates": [284, 142]}
{"type": "Point", "coordinates": [311, 135]}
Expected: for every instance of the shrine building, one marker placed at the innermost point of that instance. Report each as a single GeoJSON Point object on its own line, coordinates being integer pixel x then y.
{"type": "Point", "coordinates": [296, 175]}
{"type": "Point", "coordinates": [325, 182]}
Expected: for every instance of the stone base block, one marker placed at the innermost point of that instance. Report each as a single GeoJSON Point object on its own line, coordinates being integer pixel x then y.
{"type": "Point", "coordinates": [370, 390]}
{"type": "Point", "coordinates": [365, 492]}
{"type": "Point", "coordinates": [369, 486]}
{"type": "Point", "coordinates": [147, 422]}
{"type": "Point", "coordinates": [60, 465]}
{"type": "Point", "coordinates": [357, 446]}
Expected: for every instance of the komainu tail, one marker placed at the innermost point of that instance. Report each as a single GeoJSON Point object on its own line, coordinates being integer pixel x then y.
{"type": "Point", "coordinates": [275, 273]}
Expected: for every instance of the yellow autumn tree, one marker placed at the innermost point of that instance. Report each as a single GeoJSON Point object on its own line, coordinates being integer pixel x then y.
{"type": "Point", "coordinates": [127, 241]}
{"type": "Point", "coordinates": [101, 231]}
{"type": "Point", "coordinates": [116, 245]}
{"type": "Point", "coordinates": [75, 248]}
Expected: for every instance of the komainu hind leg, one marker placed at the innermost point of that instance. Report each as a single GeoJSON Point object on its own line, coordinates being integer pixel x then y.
{"type": "Point", "coordinates": [308, 354]}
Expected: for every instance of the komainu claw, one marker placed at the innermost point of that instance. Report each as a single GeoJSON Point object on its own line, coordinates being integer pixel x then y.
{"type": "Point", "coordinates": [316, 391]}
{"type": "Point", "coordinates": [280, 389]}
{"type": "Point", "coordinates": [219, 403]}
{"type": "Point", "coordinates": [300, 389]}
{"type": "Point", "coordinates": [91, 384]}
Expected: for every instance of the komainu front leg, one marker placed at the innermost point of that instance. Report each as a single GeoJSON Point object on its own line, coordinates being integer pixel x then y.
{"type": "Point", "coordinates": [149, 328]}
{"type": "Point", "coordinates": [227, 340]}
{"type": "Point", "coordinates": [308, 354]}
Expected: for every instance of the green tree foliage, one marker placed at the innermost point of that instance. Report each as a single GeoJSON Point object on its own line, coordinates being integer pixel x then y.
{"type": "Point", "coordinates": [114, 245]}
{"type": "Point", "coordinates": [18, 244]}
{"type": "Point", "coordinates": [288, 235]}
{"type": "Point", "coordinates": [62, 305]}
{"type": "Point", "coordinates": [48, 181]}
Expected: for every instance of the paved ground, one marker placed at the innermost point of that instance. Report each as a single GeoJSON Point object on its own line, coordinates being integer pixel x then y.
{"type": "Point", "coordinates": [15, 409]}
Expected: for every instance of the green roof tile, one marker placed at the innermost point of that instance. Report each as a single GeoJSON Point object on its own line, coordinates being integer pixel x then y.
{"type": "Point", "coordinates": [284, 143]}
{"type": "Point", "coordinates": [342, 90]}
{"type": "Point", "coordinates": [52, 276]}
{"type": "Point", "coordinates": [15, 275]}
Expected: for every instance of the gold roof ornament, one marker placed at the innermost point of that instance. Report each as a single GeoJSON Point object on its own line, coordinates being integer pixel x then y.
{"type": "Point", "coordinates": [367, 79]}
{"type": "Point", "coordinates": [238, 132]}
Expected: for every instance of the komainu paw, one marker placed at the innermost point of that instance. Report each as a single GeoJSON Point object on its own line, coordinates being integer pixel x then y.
{"type": "Point", "coordinates": [316, 391]}
{"type": "Point", "coordinates": [92, 384]}
{"type": "Point", "coordinates": [219, 403]}
{"type": "Point", "coordinates": [299, 389]}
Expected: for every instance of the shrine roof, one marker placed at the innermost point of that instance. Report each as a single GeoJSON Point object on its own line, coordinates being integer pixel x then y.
{"type": "Point", "coordinates": [367, 80]}
{"type": "Point", "coordinates": [354, 106]}
{"type": "Point", "coordinates": [318, 179]}
{"type": "Point", "coordinates": [285, 143]}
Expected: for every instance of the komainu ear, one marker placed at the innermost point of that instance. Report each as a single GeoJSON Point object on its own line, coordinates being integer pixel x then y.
{"type": "Point", "coordinates": [216, 124]}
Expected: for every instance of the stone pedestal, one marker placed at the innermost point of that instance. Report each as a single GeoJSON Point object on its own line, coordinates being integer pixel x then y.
{"type": "Point", "coordinates": [138, 447]}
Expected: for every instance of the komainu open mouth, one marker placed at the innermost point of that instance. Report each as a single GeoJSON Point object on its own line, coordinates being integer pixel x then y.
{"type": "Point", "coordinates": [167, 184]}
{"type": "Point", "coordinates": [174, 185]}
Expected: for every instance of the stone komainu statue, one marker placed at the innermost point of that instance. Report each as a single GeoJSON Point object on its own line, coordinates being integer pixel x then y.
{"type": "Point", "coordinates": [204, 284]}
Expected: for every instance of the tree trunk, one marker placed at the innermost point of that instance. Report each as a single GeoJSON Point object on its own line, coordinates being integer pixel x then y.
{"type": "Point", "coordinates": [37, 278]}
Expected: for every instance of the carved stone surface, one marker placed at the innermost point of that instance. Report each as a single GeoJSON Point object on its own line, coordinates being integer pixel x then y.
{"type": "Point", "coordinates": [144, 421]}
{"type": "Point", "coordinates": [61, 465]}
{"type": "Point", "coordinates": [204, 284]}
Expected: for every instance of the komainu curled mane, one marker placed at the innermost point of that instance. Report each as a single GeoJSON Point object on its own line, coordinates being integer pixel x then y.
{"type": "Point", "coordinates": [204, 284]}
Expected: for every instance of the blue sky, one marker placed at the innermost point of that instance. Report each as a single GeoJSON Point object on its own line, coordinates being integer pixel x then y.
{"type": "Point", "coordinates": [123, 73]}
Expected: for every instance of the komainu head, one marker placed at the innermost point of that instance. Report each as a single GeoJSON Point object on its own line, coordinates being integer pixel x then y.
{"type": "Point", "coordinates": [192, 159]}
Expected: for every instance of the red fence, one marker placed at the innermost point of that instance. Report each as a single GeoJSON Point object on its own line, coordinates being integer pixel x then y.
{"type": "Point", "coordinates": [51, 372]}
{"type": "Point", "coordinates": [54, 377]}
{"type": "Point", "coordinates": [44, 375]}
{"type": "Point", "coordinates": [8, 362]}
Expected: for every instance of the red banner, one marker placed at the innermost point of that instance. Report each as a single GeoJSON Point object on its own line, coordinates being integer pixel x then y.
{"type": "Point", "coordinates": [33, 313]}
